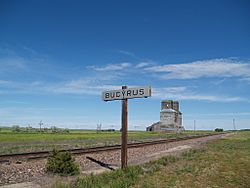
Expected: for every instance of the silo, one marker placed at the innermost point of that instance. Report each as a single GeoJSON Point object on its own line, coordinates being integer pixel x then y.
{"type": "Point", "coordinates": [176, 106]}
{"type": "Point", "coordinates": [166, 104]}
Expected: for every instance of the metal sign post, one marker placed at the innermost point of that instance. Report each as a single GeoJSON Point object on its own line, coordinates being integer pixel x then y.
{"type": "Point", "coordinates": [124, 94]}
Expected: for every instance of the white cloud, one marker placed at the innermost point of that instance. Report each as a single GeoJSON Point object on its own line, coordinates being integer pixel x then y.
{"type": "Point", "coordinates": [144, 64]}
{"type": "Point", "coordinates": [12, 64]}
{"type": "Point", "coordinates": [111, 67]}
{"type": "Point", "coordinates": [219, 82]}
{"type": "Point", "coordinates": [206, 68]}
{"type": "Point", "coordinates": [107, 78]}
{"type": "Point", "coordinates": [12, 102]}
{"type": "Point", "coordinates": [220, 114]}
{"type": "Point", "coordinates": [4, 82]}
{"type": "Point", "coordinates": [87, 86]}
{"type": "Point", "coordinates": [75, 88]}
{"type": "Point", "coordinates": [184, 93]}
{"type": "Point", "coordinates": [212, 98]}
{"type": "Point", "coordinates": [247, 79]}
{"type": "Point", "coordinates": [167, 91]}
{"type": "Point", "coordinates": [126, 53]}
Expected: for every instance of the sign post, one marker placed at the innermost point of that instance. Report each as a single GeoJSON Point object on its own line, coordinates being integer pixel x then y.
{"type": "Point", "coordinates": [124, 95]}
{"type": "Point", "coordinates": [124, 159]}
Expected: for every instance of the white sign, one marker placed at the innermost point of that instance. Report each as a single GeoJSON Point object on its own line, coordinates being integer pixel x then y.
{"type": "Point", "coordinates": [129, 93]}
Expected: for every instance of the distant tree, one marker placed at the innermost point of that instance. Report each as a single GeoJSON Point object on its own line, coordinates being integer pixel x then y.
{"type": "Point", "coordinates": [66, 130]}
{"type": "Point", "coordinates": [54, 129]}
{"type": "Point", "coordinates": [16, 128]}
{"type": "Point", "coordinates": [218, 130]}
{"type": "Point", "coordinates": [46, 130]}
{"type": "Point", "coordinates": [29, 129]}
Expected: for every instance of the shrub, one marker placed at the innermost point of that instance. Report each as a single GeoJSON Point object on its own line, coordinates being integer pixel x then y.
{"type": "Point", "coordinates": [61, 163]}
{"type": "Point", "coordinates": [54, 129]}
{"type": "Point", "coordinates": [65, 131]}
{"type": "Point", "coordinates": [218, 130]}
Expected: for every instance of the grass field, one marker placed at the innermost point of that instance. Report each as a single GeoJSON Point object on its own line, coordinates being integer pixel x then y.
{"type": "Point", "coordinates": [7, 136]}
{"type": "Point", "coordinates": [11, 142]}
{"type": "Point", "coordinates": [223, 163]}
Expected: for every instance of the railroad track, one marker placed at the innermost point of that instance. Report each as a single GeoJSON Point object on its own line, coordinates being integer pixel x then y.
{"type": "Point", "coordinates": [45, 154]}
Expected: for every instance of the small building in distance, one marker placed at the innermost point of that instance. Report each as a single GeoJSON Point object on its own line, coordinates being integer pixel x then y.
{"type": "Point", "coordinates": [170, 118]}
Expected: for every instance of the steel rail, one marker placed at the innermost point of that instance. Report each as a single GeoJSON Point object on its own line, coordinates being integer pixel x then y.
{"type": "Point", "coordinates": [45, 154]}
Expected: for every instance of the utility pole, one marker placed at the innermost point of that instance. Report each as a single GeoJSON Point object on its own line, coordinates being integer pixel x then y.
{"type": "Point", "coordinates": [40, 123]}
{"type": "Point", "coordinates": [234, 124]}
{"type": "Point", "coordinates": [99, 127]}
{"type": "Point", "coordinates": [194, 125]}
{"type": "Point", "coordinates": [135, 127]}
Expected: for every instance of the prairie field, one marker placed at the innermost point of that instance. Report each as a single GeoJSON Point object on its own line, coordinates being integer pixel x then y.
{"type": "Point", "coordinates": [16, 142]}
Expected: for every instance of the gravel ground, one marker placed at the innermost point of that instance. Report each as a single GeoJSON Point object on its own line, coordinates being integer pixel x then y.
{"type": "Point", "coordinates": [34, 171]}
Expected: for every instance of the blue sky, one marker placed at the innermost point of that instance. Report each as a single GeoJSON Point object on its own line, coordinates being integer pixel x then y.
{"type": "Point", "coordinates": [57, 57]}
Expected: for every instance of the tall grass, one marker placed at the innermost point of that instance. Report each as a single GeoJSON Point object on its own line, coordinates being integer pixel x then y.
{"type": "Point", "coordinates": [116, 179]}
{"type": "Point", "coordinates": [124, 178]}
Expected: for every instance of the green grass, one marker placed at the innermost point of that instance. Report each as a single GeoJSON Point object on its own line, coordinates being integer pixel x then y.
{"type": "Point", "coordinates": [119, 178]}
{"type": "Point", "coordinates": [221, 163]}
{"type": "Point", "coordinates": [59, 184]}
{"type": "Point", "coordinates": [25, 142]}
{"type": "Point", "coordinates": [7, 136]}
